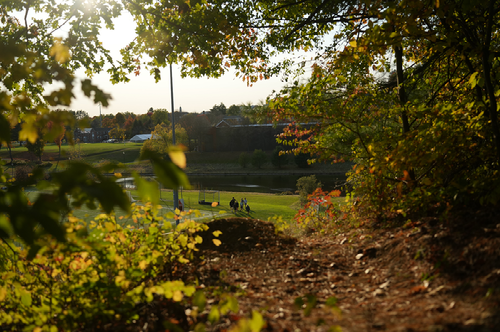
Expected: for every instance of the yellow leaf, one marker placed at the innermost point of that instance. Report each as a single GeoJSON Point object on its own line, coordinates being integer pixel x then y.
{"type": "Point", "coordinates": [29, 131]}
{"type": "Point", "coordinates": [73, 219]}
{"type": "Point", "coordinates": [178, 157]}
{"type": "Point", "coordinates": [353, 43]}
{"type": "Point", "coordinates": [109, 226]}
{"type": "Point", "coordinates": [60, 52]}
{"type": "Point", "coordinates": [177, 296]}
{"type": "Point", "coordinates": [143, 264]}
{"type": "Point", "coordinates": [118, 175]}
{"type": "Point", "coordinates": [216, 242]}
{"type": "Point", "coordinates": [3, 294]}
{"type": "Point", "coordinates": [217, 233]}
{"type": "Point", "coordinates": [37, 329]}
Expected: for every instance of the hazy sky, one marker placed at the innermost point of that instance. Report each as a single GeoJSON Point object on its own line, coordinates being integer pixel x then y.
{"type": "Point", "coordinates": [193, 95]}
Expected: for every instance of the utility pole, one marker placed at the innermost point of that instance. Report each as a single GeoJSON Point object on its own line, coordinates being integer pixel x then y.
{"type": "Point", "coordinates": [176, 192]}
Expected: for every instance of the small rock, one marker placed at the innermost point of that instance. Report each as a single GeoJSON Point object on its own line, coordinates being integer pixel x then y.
{"type": "Point", "coordinates": [471, 321]}
{"type": "Point", "coordinates": [384, 285]}
{"type": "Point", "coordinates": [359, 256]}
{"type": "Point", "coordinates": [378, 292]}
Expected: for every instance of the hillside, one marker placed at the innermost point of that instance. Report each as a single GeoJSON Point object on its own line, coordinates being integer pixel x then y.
{"type": "Point", "coordinates": [432, 276]}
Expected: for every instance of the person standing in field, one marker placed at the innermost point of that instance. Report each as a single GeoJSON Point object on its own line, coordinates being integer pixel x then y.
{"type": "Point", "coordinates": [231, 204]}
{"type": "Point", "coordinates": [242, 204]}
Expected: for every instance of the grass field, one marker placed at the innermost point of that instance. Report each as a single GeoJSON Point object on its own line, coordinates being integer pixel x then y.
{"type": "Point", "coordinates": [262, 206]}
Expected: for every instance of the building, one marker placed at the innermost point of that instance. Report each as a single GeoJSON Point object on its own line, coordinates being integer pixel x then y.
{"type": "Point", "coordinates": [92, 135]}
{"type": "Point", "coordinates": [141, 138]}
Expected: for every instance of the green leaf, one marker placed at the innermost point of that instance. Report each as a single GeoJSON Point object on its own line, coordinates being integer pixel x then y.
{"type": "Point", "coordinates": [214, 315]}
{"type": "Point", "coordinates": [148, 190]}
{"type": "Point", "coordinates": [26, 298]}
{"type": "Point", "coordinates": [169, 174]}
{"type": "Point", "coordinates": [257, 322]}
{"type": "Point", "coordinates": [331, 302]}
{"type": "Point", "coordinates": [199, 300]}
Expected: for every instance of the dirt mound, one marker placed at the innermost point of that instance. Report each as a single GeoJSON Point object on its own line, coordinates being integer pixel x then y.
{"type": "Point", "coordinates": [240, 235]}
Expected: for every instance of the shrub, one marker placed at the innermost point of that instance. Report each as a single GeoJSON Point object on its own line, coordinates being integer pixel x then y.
{"type": "Point", "coordinates": [278, 158]}
{"type": "Point", "coordinates": [103, 272]}
{"type": "Point", "coordinates": [22, 173]}
{"type": "Point", "coordinates": [306, 185]}
{"type": "Point", "coordinates": [244, 159]}
{"type": "Point", "coordinates": [320, 213]}
{"type": "Point", "coordinates": [259, 158]}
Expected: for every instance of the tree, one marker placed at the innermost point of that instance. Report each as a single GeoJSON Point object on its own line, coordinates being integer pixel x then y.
{"type": "Point", "coordinates": [259, 158]}
{"type": "Point", "coordinates": [36, 148]}
{"type": "Point", "coordinates": [306, 185]}
{"type": "Point", "coordinates": [59, 138]}
{"type": "Point", "coordinates": [128, 125]}
{"type": "Point", "coordinates": [108, 122]}
{"type": "Point", "coordinates": [444, 56]}
{"type": "Point", "coordinates": [233, 110]}
{"type": "Point", "coordinates": [161, 139]}
{"type": "Point", "coordinates": [221, 108]}
{"type": "Point", "coordinates": [33, 58]}
{"type": "Point", "coordinates": [137, 128]}
{"type": "Point", "coordinates": [117, 132]}
{"type": "Point", "coordinates": [160, 116]}
{"type": "Point", "coordinates": [120, 119]}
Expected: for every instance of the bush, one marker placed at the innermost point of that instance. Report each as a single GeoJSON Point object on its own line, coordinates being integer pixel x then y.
{"type": "Point", "coordinates": [306, 185]}
{"type": "Point", "coordinates": [279, 159]}
{"type": "Point", "coordinates": [22, 173]}
{"type": "Point", "coordinates": [259, 158]}
{"type": "Point", "coordinates": [244, 159]}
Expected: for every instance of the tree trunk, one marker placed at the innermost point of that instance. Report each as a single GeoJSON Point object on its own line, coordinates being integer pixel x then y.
{"type": "Point", "coordinates": [488, 82]}
{"type": "Point", "coordinates": [403, 99]}
{"type": "Point", "coordinates": [10, 154]}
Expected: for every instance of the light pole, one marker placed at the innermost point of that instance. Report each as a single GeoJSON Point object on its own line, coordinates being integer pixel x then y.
{"type": "Point", "coordinates": [176, 193]}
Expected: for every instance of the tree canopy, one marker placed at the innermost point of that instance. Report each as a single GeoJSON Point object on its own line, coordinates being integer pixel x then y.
{"type": "Point", "coordinates": [409, 90]}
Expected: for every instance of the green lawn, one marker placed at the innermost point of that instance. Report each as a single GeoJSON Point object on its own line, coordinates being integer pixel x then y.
{"type": "Point", "coordinates": [92, 152]}
{"type": "Point", "coordinates": [263, 206]}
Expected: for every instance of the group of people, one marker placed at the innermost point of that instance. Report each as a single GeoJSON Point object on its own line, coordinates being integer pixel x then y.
{"type": "Point", "coordinates": [243, 204]}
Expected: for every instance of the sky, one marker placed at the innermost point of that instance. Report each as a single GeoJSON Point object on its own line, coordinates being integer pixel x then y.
{"type": "Point", "coordinates": [142, 93]}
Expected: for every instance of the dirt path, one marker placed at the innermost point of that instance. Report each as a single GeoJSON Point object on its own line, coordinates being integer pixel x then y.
{"type": "Point", "coordinates": [393, 280]}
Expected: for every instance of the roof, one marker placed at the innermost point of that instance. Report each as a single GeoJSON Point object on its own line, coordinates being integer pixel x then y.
{"type": "Point", "coordinates": [140, 138]}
